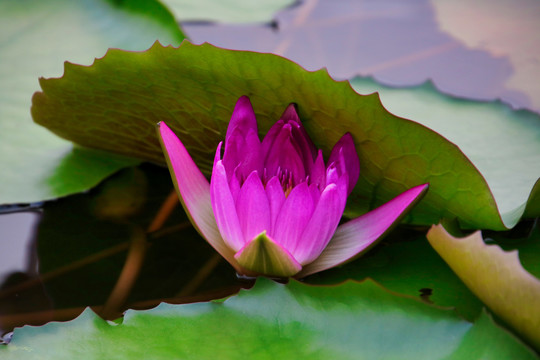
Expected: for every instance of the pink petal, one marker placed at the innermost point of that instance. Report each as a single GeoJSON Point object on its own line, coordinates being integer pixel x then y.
{"type": "Point", "coordinates": [253, 208]}
{"type": "Point", "coordinates": [348, 162]}
{"type": "Point", "coordinates": [234, 185]}
{"type": "Point", "coordinates": [263, 256]}
{"type": "Point", "coordinates": [276, 198]}
{"type": "Point", "coordinates": [290, 116]}
{"type": "Point", "coordinates": [318, 172]}
{"type": "Point", "coordinates": [224, 207]}
{"type": "Point", "coordinates": [270, 137]}
{"type": "Point", "coordinates": [293, 217]}
{"type": "Point", "coordinates": [243, 154]}
{"type": "Point", "coordinates": [193, 190]}
{"type": "Point", "coordinates": [323, 223]}
{"type": "Point", "coordinates": [356, 236]}
{"type": "Point", "coordinates": [242, 120]}
{"type": "Point", "coordinates": [315, 193]}
{"type": "Point", "coordinates": [284, 156]}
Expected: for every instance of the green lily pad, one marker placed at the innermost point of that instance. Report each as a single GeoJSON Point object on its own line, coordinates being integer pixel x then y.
{"type": "Point", "coordinates": [227, 11]}
{"type": "Point", "coordinates": [496, 277]}
{"type": "Point", "coordinates": [407, 264]}
{"type": "Point", "coordinates": [114, 104]}
{"type": "Point", "coordinates": [36, 37]}
{"type": "Point", "coordinates": [503, 144]}
{"type": "Point", "coordinates": [349, 321]}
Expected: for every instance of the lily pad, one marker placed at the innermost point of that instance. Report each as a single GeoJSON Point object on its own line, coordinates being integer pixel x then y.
{"type": "Point", "coordinates": [114, 104]}
{"type": "Point", "coordinates": [349, 321]}
{"type": "Point", "coordinates": [405, 263]}
{"type": "Point", "coordinates": [226, 11]}
{"type": "Point", "coordinates": [496, 277]}
{"type": "Point", "coordinates": [36, 37]}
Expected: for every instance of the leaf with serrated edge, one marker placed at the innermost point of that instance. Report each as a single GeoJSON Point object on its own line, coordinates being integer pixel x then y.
{"type": "Point", "coordinates": [502, 143]}
{"type": "Point", "coordinates": [115, 103]}
{"type": "Point", "coordinates": [495, 276]}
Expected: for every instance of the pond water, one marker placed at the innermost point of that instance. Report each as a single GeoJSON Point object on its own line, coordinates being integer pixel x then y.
{"type": "Point", "coordinates": [70, 253]}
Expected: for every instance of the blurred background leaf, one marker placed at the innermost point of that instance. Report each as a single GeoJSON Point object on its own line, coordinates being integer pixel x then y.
{"type": "Point", "coordinates": [36, 37]}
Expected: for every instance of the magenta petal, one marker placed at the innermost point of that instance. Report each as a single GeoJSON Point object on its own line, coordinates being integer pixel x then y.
{"type": "Point", "coordinates": [253, 208]}
{"type": "Point", "coordinates": [270, 137]}
{"type": "Point", "coordinates": [348, 162]}
{"type": "Point", "coordinates": [242, 120]}
{"type": "Point", "coordinates": [299, 133]}
{"type": "Point", "coordinates": [276, 198]}
{"type": "Point", "coordinates": [224, 208]}
{"type": "Point", "coordinates": [318, 172]}
{"type": "Point", "coordinates": [294, 216]}
{"type": "Point", "coordinates": [193, 190]}
{"type": "Point", "coordinates": [354, 237]}
{"type": "Point", "coordinates": [243, 151]}
{"type": "Point", "coordinates": [284, 156]}
{"type": "Point", "coordinates": [234, 185]}
{"type": "Point", "coordinates": [323, 223]}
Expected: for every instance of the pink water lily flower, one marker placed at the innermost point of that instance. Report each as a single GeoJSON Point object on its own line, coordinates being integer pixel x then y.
{"type": "Point", "coordinates": [272, 208]}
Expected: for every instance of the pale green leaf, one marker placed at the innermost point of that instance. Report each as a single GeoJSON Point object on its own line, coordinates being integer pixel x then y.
{"type": "Point", "coordinates": [227, 11]}
{"type": "Point", "coordinates": [36, 37]}
{"type": "Point", "coordinates": [496, 277]}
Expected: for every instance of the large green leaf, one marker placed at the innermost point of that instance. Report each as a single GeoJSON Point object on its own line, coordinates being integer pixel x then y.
{"type": "Point", "coordinates": [350, 321]}
{"type": "Point", "coordinates": [503, 144]}
{"type": "Point", "coordinates": [36, 37]}
{"type": "Point", "coordinates": [405, 263]}
{"type": "Point", "coordinates": [114, 105]}
{"type": "Point", "coordinates": [229, 11]}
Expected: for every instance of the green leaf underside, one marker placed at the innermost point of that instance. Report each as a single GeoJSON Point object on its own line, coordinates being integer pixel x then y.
{"type": "Point", "coordinates": [36, 37]}
{"type": "Point", "coordinates": [263, 256]}
{"type": "Point", "coordinates": [349, 321]}
{"type": "Point", "coordinates": [114, 105]}
{"type": "Point", "coordinates": [496, 277]}
{"type": "Point", "coordinates": [503, 144]}
{"type": "Point", "coordinates": [228, 11]}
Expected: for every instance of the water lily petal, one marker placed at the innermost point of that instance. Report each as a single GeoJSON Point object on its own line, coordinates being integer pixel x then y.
{"type": "Point", "coordinates": [264, 256]}
{"type": "Point", "coordinates": [193, 190]}
{"type": "Point", "coordinates": [306, 148]}
{"type": "Point", "coordinates": [224, 207]}
{"type": "Point", "coordinates": [323, 223]}
{"type": "Point", "coordinates": [234, 184]}
{"type": "Point", "coordinates": [253, 208]}
{"type": "Point", "coordinates": [243, 154]}
{"type": "Point", "coordinates": [294, 216]}
{"type": "Point", "coordinates": [354, 237]}
{"type": "Point", "coordinates": [284, 156]}
{"type": "Point", "coordinates": [270, 137]}
{"type": "Point", "coordinates": [318, 172]}
{"type": "Point", "coordinates": [276, 198]}
{"type": "Point", "coordinates": [242, 120]}
{"type": "Point", "coordinates": [345, 157]}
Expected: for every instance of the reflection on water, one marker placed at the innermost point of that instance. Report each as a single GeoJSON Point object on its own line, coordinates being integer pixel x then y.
{"type": "Point", "coordinates": [125, 244]}
{"type": "Point", "coordinates": [398, 42]}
